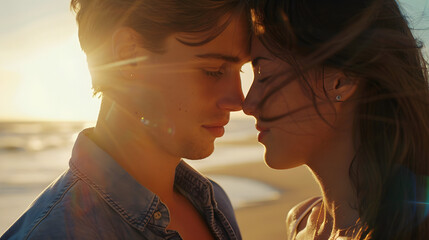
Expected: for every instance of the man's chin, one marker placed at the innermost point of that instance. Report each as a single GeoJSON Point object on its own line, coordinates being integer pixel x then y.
{"type": "Point", "coordinates": [200, 153]}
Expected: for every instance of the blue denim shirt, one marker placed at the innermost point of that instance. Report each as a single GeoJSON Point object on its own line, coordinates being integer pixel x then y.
{"type": "Point", "coordinates": [97, 199]}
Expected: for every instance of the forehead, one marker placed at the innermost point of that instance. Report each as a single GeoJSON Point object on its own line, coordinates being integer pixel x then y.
{"type": "Point", "coordinates": [233, 41]}
{"type": "Point", "coordinates": [261, 56]}
{"type": "Point", "coordinates": [258, 50]}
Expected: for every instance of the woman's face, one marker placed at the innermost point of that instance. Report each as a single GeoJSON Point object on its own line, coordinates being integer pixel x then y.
{"type": "Point", "coordinates": [302, 134]}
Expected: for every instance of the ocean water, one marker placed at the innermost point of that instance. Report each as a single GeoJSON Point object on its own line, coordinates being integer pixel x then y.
{"type": "Point", "coordinates": [33, 154]}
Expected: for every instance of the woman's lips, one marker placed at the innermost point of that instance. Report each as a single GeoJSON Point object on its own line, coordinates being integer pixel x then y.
{"type": "Point", "coordinates": [263, 132]}
{"type": "Point", "coordinates": [261, 129]}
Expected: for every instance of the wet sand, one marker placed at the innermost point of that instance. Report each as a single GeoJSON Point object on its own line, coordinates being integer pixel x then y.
{"type": "Point", "coordinates": [266, 220]}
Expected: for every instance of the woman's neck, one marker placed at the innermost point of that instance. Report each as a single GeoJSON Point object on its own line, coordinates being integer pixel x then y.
{"type": "Point", "coordinates": [331, 171]}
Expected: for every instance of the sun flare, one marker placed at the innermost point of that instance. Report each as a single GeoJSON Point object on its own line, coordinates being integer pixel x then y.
{"type": "Point", "coordinates": [54, 84]}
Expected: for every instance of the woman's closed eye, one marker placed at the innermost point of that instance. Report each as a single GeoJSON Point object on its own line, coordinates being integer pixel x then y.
{"type": "Point", "coordinates": [264, 79]}
{"type": "Point", "coordinates": [258, 74]}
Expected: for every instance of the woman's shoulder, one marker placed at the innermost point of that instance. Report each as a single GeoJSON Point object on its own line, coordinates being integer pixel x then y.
{"type": "Point", "coordinates": [298, 212]}
{"type": "Point", "coordinates": [301, 208]}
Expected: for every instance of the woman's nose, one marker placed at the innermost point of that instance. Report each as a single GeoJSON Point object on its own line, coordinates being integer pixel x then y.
{"type": "Point", "coordinates": [251, 102]}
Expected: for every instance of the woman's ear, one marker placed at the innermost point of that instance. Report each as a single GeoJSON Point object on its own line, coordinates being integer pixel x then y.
{"type": "Point", "coordinates": [339, 87]}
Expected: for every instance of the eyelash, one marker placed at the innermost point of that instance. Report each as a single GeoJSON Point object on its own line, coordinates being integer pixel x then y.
{"type": "Point", "coordinates": [264, 79]}
{"type": "Point", "coordinates": [214, 74]}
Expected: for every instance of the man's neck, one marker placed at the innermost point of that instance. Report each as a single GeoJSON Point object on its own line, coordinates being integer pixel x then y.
{"type": "Point", "coordinates": [138, 155]}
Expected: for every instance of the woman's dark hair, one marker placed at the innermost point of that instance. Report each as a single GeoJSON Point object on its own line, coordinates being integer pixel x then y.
{"type": "Point", "coordinates": [371, 42]}
{"type": "Point", "coordinates": [154, 20]}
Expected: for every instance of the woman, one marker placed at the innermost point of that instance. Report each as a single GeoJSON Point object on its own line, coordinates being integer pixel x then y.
{"type": "Point", "coordinates": [342, 87]}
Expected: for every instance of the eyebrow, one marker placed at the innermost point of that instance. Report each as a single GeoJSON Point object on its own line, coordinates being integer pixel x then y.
{"type": "Point", "coordinates": [257, 59]}
{"type": "Point", "coordinates": [220, 56]}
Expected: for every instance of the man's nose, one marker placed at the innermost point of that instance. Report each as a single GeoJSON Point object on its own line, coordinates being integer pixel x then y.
{"type": "Point", "coordinates": [233, 97]}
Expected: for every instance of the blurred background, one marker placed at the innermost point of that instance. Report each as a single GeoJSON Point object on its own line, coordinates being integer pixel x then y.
{"type": "Point", "coordinates": [46, 99]}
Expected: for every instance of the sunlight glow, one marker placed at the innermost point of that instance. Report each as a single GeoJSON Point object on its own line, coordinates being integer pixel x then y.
{"type": "Point", "coordinates": [246, 81]}
{"type": "Point", "coordinates": [246, 77]}
{"type": "Point", "coordinates": [54, 84]}
{"type": "Point", "coordinates": [119, 64]}
{"type": "Point", "coordinates": [43, 72]}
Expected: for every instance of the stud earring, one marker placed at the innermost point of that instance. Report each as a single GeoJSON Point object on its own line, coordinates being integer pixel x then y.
{"type": "Point", "coordinates": [338, 98]}
{"type": "Point", "coordinates": [259, 70]}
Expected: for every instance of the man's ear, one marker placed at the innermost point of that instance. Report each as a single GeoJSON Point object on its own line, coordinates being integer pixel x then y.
{"type": "Point", "coordinates": [124, 44]}
{"type": "Point", "coordinates": [126, 51]}
{"type": "Point", "coordinates": [340, 88]}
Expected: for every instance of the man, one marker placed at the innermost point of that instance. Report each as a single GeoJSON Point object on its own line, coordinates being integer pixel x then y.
{"type": "Point", "coordinates": [168, 74]}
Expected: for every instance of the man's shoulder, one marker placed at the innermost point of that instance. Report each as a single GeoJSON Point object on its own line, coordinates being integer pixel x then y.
{"type": "Point", "coordinates": [64, 204]}
{"type": "Point", "coordinates": [40, 208]}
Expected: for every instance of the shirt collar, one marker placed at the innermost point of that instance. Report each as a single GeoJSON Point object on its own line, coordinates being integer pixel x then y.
{"type": "Point", "coordinates": [133, 201]}
{"type": "Point", "coordinates": [120, 190]}
{"type": "Point", "coordinates": [195, 187]}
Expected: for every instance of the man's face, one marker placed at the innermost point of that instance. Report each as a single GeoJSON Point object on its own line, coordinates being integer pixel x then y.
{"type": "Point", "coordinates": [183, 97]}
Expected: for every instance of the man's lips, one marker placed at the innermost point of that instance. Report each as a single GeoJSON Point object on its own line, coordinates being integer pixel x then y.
{"type": "Point", "coordinates": [216, 129]}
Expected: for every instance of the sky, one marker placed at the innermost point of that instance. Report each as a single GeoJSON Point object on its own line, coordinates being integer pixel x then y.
{"type": "Point", "coordinates": [43, 71]}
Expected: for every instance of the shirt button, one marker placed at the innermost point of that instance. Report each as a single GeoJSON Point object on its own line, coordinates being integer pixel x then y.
{"type": "Point", "coordinates": [157, 215]}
